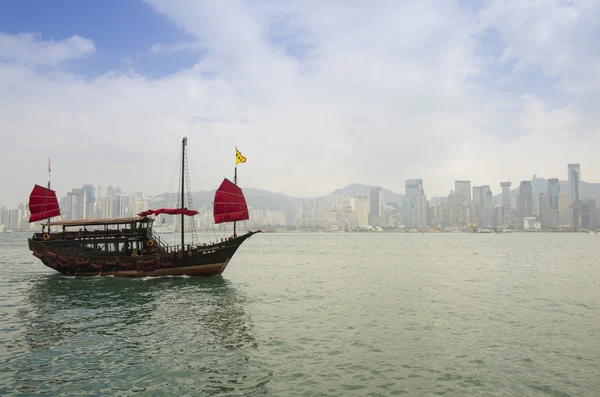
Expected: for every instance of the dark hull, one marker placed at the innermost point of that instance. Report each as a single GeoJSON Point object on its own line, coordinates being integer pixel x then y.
{"type": "Point", "coordinates": [202, 261]}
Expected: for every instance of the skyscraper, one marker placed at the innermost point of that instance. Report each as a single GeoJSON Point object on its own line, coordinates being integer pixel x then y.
{"type": "Point", "coordinates": [505, 193]}
{"type": "Point", "coordinates": [525, 201]}
{"type": "Point", "coordinates": [565, 215]}
{"type": "Point", "coordinates": [120, 205]}
{"type": "Point", "coordinates": [421, 209]}
{"type": "Point", "coordinates": [545, 210]}
{"type": "Point", "coordinates": [464, 189]}
{"type": "Point", "coordinates": [100, 192]}
{"type": "Point", "coordinates": [407, 211]}
{"type": "Point", "coordinates": [489, 209]}
{"type": "Point", "coordinates": [108, 208]}
{"type": "Point", "coordinates": [90, 198]}
{"type": "Point", "coordinates": [362, 211]}
{"type": "Point", "coordinates": [575, 183]}
{"type": "Point", "coordinates": [413, 187]}
{"type": "Point", "coordinates": [375, 206]}
{"type": "Point", "coordinates": [553, 190]}
{"type": "Point", "coordinates": [593, 216]}
{"type": "Point", "coordinates": [506, 217]}
{"type": "Point", "coordinates": [478, 208]}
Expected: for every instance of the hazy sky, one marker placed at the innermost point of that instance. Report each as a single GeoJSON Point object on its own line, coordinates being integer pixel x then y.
{"type": "Point", "coordinates": [315, 94]}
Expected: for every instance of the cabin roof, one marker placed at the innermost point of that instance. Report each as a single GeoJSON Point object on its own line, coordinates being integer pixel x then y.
{"type": "Point", "coordinates": [96, 222]}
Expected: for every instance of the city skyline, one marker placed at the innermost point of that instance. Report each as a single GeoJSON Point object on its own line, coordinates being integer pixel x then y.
{"type": "Point", "coordinates": [452, 185]}
{"type": "Point", "coordinates": [451, 90]}
{"type": "Point", "coordinates": [466, 206]}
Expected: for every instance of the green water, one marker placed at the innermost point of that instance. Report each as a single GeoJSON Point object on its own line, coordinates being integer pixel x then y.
{"type": "Point", "coordinates": [316, 315]}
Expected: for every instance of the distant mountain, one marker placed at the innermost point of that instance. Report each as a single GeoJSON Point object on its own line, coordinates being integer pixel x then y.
{"type": "Point", "coordinates": [357, 189]}
{"type": "Point", "coordinates": [255, 198]}
{"type": "Point", "coordinates": [267, 200]}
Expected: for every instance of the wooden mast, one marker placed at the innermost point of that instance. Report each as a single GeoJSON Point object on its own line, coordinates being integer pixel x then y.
{"type": "Point", "coordinates": [183, 144]}
{"type": "Point", "coordinates": [235, 183]}
{"type": "Point", "coordinates": [49, 171]}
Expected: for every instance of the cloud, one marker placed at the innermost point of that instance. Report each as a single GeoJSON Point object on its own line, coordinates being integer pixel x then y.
{"type": "Point", "coordinates": [318, 96]}
{"type": "Point", "coordinates": [30, 49]}
{"type": "Point", "coordinates": [159, 48]}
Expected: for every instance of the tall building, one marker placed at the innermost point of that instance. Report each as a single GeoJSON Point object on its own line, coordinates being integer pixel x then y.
{"type": "Point", "coordinates": [375, 200]}
{"type": "Point", "coordinates": [120, 205]}
{"type": "Point", "coordinates": [545, 210]}
{"type": "Point", "coordinates": [464, 189]}
{"type": "Point", "coordinates": [362, 211]}
{"type": "Point", "coordinates": [108, 208]}
{"type": "Point", "coordinates": [506, 213]}
{"type": "Point", "coordinates": [90, 199]}
{"type": "Point", "coordinates": [478, 208]}
{"type": "Point", "coordinates": [593, 216]}
{"type": "Point", "coordinates": [421, 218]}
{"type": "Point", "coordinates": [76, 205]}
{"type": "Point", "coordinates": [565, 214]}
{"type": "Point", "coordinates": [505, 193]}
{"type": "Point", "coordinates": [553, 190]}
{"type": "Point", "coordinates": [525, 201]}
{"type": "Point", "coordinates": [100, 192]}
{"type": "Point", "coordinates": [413, 187]}
{"type": "Point", "coordinates": [407, 211]}
{"type": "Point", "coordinates": [139, 206]}
{"type": "Point", "coordinates": [489, 209]}
{"type": "Point", "coordinates": [575, 183]}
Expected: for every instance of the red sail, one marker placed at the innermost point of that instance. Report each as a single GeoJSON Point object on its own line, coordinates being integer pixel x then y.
{"type": "Point", "coordinates": [230, 204]}
{"type": "Point", "coordinates": [42, 204]}
{"type": "Point", "coordinates": [169, 211]}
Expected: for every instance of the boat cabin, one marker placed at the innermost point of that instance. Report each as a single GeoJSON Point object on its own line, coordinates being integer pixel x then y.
{"type": "Point", "coordinates": [118, 236]}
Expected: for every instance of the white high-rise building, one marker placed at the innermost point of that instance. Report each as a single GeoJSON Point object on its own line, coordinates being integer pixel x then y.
{"type": "Point", "coordinates": [108, 208]}
{"type": "Point", "coordinates": [362, 211]}
{"type": "Point", "coordinates": [139, 206]}
{"type": "Point", "coordinates": [463, 188]}
{"type": "Point", "coordinates": [420, 209]}
{"type": "Point", "coordinates": [575, 183]}
{"type": "Point", "coordinates": [120, 205]}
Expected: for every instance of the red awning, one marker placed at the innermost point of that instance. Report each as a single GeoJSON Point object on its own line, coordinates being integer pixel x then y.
{"type": "Point", "coordinates": [230, 203]}
{"type": "Point", "coordinates": [42, 204]}
{"type": "Point", "coordinates": [169, 211]}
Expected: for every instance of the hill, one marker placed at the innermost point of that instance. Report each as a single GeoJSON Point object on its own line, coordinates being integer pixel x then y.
{"type": "Point", "coordinates": [357, 189]}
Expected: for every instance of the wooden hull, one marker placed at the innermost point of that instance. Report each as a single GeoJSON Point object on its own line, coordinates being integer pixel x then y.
{"type": "Point", "coordinates": [203, 261]}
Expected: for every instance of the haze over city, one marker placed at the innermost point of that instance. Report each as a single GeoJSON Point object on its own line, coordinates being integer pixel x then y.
{"type": "Point", "coordinates": [316, 96]}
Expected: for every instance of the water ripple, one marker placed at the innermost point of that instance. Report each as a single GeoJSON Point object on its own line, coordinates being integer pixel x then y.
{"type": "Point", "coordinates": [322, 314]}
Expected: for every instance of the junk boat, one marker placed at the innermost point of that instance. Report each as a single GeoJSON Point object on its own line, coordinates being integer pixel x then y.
{"type": "Point", "coordinates": [128, 247]}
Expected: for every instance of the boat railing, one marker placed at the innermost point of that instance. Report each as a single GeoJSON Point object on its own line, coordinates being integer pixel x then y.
{"type": "Point", "coordinates": [86, 234]}
{"type": "Point", "coordinates": [158, 240]}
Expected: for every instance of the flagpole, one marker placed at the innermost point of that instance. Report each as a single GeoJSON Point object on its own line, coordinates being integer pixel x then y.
{"type": "Point", "coordinates": [235, 183]}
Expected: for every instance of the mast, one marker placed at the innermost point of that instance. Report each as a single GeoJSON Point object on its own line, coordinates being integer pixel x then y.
{"type": "Point", "coordinates": [183, 143]}
{"type": "Point", "coordinates": [49, 170]}
{"type": "Point", "coordinates": [235, 183]}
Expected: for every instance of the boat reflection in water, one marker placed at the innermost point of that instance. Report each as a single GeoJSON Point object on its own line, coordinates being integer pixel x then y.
{"type": "Point", "coordinates": [187, 335]}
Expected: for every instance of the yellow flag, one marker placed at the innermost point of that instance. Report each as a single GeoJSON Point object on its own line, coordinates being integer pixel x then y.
{"type": "Point", "coordinates": [238, 157]}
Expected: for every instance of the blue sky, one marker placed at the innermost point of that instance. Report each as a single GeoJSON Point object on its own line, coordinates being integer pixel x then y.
{"type": "Point", "coordinates": [123, 31]}
{"type": "Point", "coordinates": [331, 93]}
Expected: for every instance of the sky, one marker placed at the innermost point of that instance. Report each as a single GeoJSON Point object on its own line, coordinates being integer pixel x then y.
{"type": "Point", "coordinates": [316, 95]}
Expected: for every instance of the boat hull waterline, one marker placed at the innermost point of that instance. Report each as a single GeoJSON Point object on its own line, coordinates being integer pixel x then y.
{"type": "Point", "coordinates": [201, 261]}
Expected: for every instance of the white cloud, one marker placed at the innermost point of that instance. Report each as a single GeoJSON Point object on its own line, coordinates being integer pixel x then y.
{"type": "Point", "coordinates": [316, 96]}
{"type": "Point", "coordinates": [30, 49]}
{"type": "Point", "coordinates": [159, 48]}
